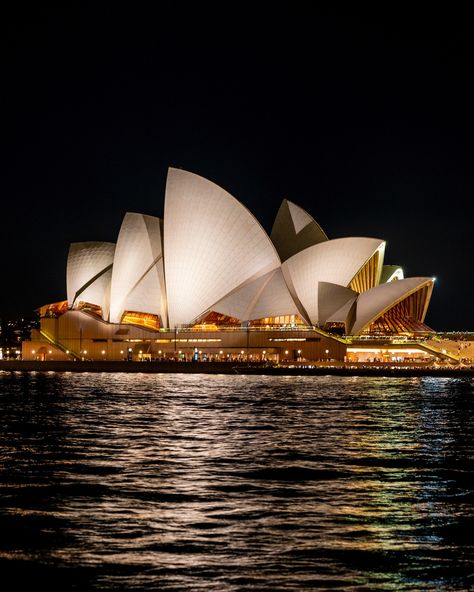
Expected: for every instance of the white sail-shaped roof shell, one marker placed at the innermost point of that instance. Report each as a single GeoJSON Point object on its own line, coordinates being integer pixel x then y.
{"type": "Point", "coordinates": [89, 272]}
{"type": "Point", "coordinates": [375, 302]}
{"type": "Point", "coordinates": [267, 296]}
{"type": "Point", "coordinates": [391, 273]}
{"type": "Point", "coordinates": [295, 230]}
{"type": "Point", "coordinates": [275, 299]}
{"type": "Point", "coordinates": [137, 277]}
{"type": "Point", "coordinates": [212, 245]}
{"type": "Point", "coordinates": [336, 261]}
{"type": "Point", "coordinates": [334, 302]}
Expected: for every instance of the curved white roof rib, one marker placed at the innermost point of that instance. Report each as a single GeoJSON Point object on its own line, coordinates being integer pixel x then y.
{"type": "Point", "coordinates": [375, 302]}
{"type": "Point", "coordinates": [88, 273]}
{"type": "Point", "coordinates": [335, 261]}
{"type": "Point", "coordinates": [295, 230]}
{"type": "Point", "coordinates": [137, 277]}
{"type": "Point", "coordinates": [267, 296]}
{"type": "Point", "coordinates": [212, 245]}
{"type": "Point", "coordinates": [391, 273]}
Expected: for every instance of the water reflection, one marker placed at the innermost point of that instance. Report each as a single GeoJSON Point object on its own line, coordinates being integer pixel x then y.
{"type": "Point", "coordinates": [236, 483]}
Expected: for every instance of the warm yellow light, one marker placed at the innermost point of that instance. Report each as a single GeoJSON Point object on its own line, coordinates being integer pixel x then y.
{"type": "Point", "coordinates": [264, 352]}
{"type": "Point", "coordinates": [242, 352]}
{"type": "Point", "coordinates": [159, 351]}
{"type": "Point", "coordinates": [121, 351]}
{"type": "Point", "coordinates": [85, 351]}
{"type": "Point", "coordinates": [50, 351]}
{"type": "Point", "coordinates": [103, 351]}
{"type": "Point", "coordinates": [221, 352]}
{"type": "Point", "coordinates": [327, 351]}
{"type": "Point", "coordinates": [67, 351]}
{"type": "Point", "coordinates": [286, 351]}
{"type": "Point", "coordinates": [371, 350]}
{"type": "Point", "coordinates": [33, 351]}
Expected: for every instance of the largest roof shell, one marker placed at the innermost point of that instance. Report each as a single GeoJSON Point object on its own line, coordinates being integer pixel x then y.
{"type": "Point", "coordinates": [212, 245]}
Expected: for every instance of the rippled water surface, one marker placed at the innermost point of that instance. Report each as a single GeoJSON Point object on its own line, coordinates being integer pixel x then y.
{"type": "Point", "coordinates": [226, 483]}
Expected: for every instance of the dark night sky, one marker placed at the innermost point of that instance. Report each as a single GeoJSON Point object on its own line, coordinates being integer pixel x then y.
{"type": "Point", "coordinates": [367, 124]}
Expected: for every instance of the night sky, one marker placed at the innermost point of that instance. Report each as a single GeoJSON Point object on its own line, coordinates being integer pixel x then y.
{"type": "Point", "coordinates": [366, 123]}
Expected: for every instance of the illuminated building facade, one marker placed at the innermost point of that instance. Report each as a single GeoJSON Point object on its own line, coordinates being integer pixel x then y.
{"type": "Point", "coordinates": [208, 282]}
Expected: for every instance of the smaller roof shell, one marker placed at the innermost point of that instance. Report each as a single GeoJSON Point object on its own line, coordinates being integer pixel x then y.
{"type": "Point", "coordinates": [375, 302]}
{"type": "Point", "coordinates": [295, 230]}
{"type": "Point", "coordinates": [335, 261]}
{"type": "Point", "coordinates": [88, 273]}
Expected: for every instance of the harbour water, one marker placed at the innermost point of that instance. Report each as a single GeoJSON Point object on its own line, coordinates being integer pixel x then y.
{"type": "Point", "coordinates": [228, 483]}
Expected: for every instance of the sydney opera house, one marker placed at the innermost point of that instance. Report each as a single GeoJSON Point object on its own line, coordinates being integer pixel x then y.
{"type": "Point", "coordinates": [207, 282]}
